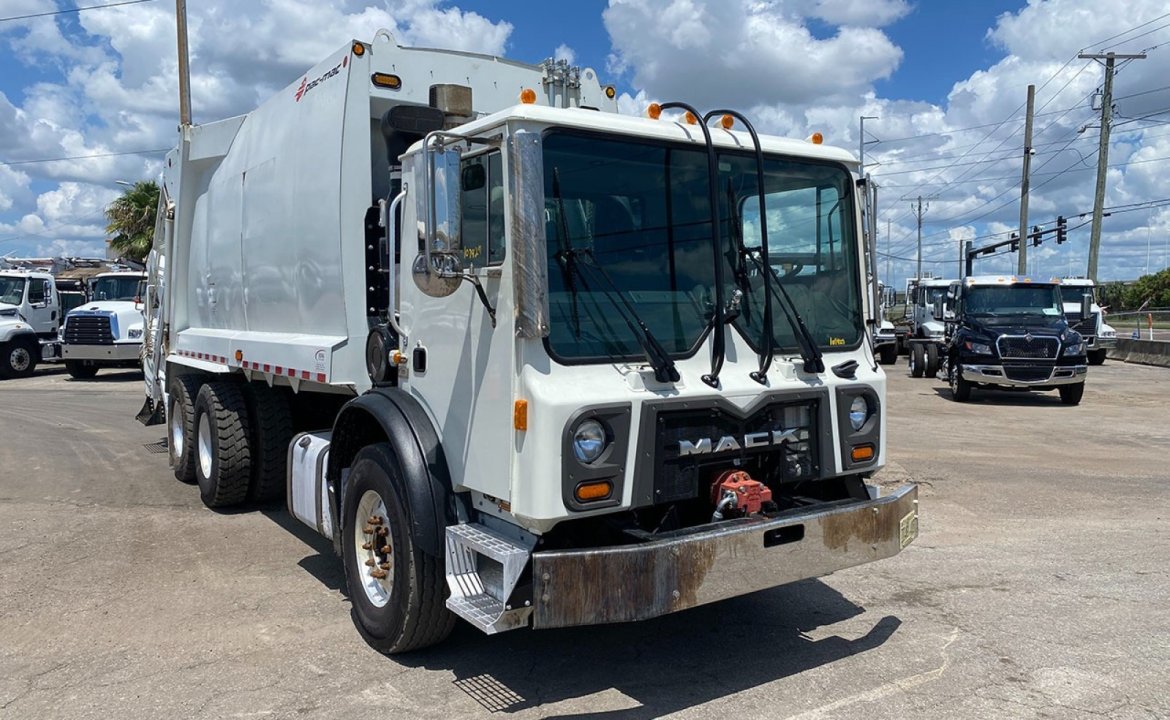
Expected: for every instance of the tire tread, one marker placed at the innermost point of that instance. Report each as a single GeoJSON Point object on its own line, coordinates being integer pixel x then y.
{"type": "Point", "coordinates": [233, 462]}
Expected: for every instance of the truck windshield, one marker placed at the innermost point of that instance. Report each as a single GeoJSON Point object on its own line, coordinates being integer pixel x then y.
{"type": "Point", "coordinates": [115, 288]}
{"type": "Point", "coordinates": [1013, 300]}
{"type": "Point", "coordinates": [11, 290]}
{"type": "Point", "coordinates": [642, 211]}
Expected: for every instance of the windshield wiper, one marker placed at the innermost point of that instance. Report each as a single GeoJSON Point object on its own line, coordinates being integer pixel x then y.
{"type": "Point", "coordinates": [656, 355]}
{"type": "Point", "coordinates": [809, 352]}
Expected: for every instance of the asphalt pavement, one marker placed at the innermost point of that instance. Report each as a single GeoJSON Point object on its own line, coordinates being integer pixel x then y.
{"type": "Point", "coordinates": [1038, 586]}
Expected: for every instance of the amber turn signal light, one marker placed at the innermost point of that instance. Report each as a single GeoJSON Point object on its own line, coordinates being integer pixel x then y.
{"type": "Point", "coordinates": [520, 414]}
{"type": "Point", "coordinates": [862, 453]}
{"type": "Point", "coordinates": [593, 491]}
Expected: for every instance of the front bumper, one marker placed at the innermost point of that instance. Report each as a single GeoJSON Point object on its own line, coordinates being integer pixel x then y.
{"type": "Point", "coordinates": [1105, 343]}
{"type": "Point", "coordinates": [636, 582]}
{"type": "Point", "coordinates": [995, 375]}
{"type": "Point", "coordinates": [882, 340]}
{"type": "Point", "coordinates": [117, 352]}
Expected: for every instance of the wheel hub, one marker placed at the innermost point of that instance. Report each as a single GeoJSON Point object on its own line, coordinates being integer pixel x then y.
{"type": "Point", "coordinates": [373, 550]}
{"type": "Point", "coordinates": [176, 427]}
{"type": "Point", "coordinates": [204, 446]}
{"type": "Point", "coordinates": [19, 359]}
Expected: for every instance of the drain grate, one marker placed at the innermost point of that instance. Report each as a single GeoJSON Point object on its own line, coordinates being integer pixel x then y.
{"type": "Point", "coordinates": [159, 447]}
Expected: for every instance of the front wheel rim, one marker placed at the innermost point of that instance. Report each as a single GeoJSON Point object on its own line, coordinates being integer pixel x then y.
{"type": "Point", "coordinates": [373, 549]}
{"type": "Point", "coordinates": [205, 446]}
{"type": "Point", "coordinates": [19, 359]}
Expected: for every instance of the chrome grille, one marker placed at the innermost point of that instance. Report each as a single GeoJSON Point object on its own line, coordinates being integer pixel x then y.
{"type": "Point", "coordinates": [1028, 347]}
{"type": "Point", "coordinates": [88, 330]}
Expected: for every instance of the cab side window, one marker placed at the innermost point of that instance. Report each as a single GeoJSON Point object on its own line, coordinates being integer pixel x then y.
{"type": "Point", "coordinates": [484, 241]}
{"type": "Point", "coordinates": [36, 292]}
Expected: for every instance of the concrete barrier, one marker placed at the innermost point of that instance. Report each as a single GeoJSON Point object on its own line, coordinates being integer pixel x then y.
{"type": "Point", "coordinates": [1144, 352]}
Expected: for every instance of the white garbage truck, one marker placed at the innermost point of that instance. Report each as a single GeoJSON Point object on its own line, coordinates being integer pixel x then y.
{"type": "Point", "coordinates": [523, 360]}
{"type": "Point", "coordinates": [105, 332]}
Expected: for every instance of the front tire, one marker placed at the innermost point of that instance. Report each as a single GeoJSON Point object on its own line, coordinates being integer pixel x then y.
{"type": "Point", "coordinates": [917, 360]}
{"type": "Point", "coordinates": [78, 370]}
{"type": "Point", "coordinates": [1072, 394]}
{"type": "Point", "coordinates": [18, 358]}
{"type": "Point", "coordinates": [223, 454]}
{"type": "Point", "coordinates": [398, 592]}
{"type": "Point", "coordinates": [931, 360]}
{"type": "Point", "coordinates": [889, 354]}
{"type": "Point", "coordinates": [1097, 357]}
{"type": "Point", "coordinates": [960, 388]}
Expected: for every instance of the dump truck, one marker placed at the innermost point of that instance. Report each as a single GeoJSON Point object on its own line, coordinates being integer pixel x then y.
{"type": "Point", "coordinates": [525, 361]}
{"type": "Point", "coordinates": [106, 331]}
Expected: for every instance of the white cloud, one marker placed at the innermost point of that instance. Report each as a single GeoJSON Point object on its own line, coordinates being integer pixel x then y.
{"type": "Point", "coordinates": [564, 52]}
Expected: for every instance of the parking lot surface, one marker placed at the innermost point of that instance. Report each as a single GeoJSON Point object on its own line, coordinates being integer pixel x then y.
{"type": "Point", "coordinates": [1038, 586]}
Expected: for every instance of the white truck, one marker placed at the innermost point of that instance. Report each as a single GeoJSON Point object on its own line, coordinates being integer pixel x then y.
{"type": "Point", "coordinates": [30, 318]}
{"type": "Point", "coordinates": [1099, 336]}
{"type": "Point", "coordinates": [568, 372]}
{"type": "Point", "coordinates": [927, 327]}
{"type": "Point", "coordinates": [105, 332]}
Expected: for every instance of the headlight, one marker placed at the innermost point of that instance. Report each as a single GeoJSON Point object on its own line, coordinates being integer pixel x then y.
{"type": "Point", "coordinates": [977, 348]}
{"type": "Point", "coordinates": [858, 412]}
{"type": "Point", "coordinates": [1108, 333]}
{"type": "Point", "coordinates": [134, 333]}
{"type": "Point", "coordinates": [589, 441]}
{"type": "Point", "coordinates": [1076, 349]}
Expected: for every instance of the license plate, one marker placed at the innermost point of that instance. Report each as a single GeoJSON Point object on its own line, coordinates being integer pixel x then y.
{"type": "Point", "coordinates": [908, 529]}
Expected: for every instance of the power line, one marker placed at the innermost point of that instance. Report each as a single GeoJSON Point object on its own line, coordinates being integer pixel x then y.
{"type": "Point", "coordinates": [73, 10]}
{"type": "Point", "coordinates": [1126, 32]}
{"type": "Point", "coordinates": [85, 157]}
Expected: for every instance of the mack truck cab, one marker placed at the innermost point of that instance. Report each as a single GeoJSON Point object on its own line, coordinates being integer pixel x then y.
{"type": "Point", "coordinates": [1010, 333]}
{"type": "Point", "coordinates": [30, 315]}
{"type": "Point", "coordinates": [107, 330]}
{"type": "Point", "coordinates": [1099, 336]}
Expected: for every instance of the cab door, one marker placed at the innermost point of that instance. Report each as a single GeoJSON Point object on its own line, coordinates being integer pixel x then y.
{"type": "Point", "coordinates": [43, 311]}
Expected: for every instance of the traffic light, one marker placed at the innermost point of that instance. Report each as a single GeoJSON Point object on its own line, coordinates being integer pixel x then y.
{"type": "Point", "coordinates": [1036, 236]}
{"type": "Point", "coordinates": [1061, 232]}
{"type": "Point", "coordinates": [1015, 242]}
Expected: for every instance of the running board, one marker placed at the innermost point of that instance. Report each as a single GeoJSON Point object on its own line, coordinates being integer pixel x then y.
{"type": "Point", "coordinates": [482, 570]}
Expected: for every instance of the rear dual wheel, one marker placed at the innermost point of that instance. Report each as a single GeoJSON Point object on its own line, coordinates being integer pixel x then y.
{"type": "Point", "coordinates": [223, 454]}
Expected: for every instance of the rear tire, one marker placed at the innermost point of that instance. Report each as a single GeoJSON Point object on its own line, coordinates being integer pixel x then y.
{"type": "Point", "coordinates": [917, 360]}
{"type": "Point", "coordinates": [78, 370]}
{"type": "Point", "coordinates": [931, 360]}
{"type": "Point", "coordinates": [960, 388]}
{"type": "Point", "coordinates": [271, 432]}
{"type": "Point", "coordinates": [19, 357]}
{"type": "Point", "coordinates": [181, 425]}
{"type": "Point", "coordinates": [1071, 394]}
{"type": "Point", "coordinates": [223, 466]}
{"type": "Point", "coordinates": [406, 610]}
{"type": "Point", "coordinates": [889, 355]}
{"type": "Point", "coordinates": [1097, 357]}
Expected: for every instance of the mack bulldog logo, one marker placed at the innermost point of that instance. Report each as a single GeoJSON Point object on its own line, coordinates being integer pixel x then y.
{"type": "Point", "coordinates": [707, 446]}
{"type": "Point", "coordinates": [306, 86]}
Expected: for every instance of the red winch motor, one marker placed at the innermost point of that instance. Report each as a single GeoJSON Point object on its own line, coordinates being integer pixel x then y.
{"type": "Point", "coordinates": [736, 493]}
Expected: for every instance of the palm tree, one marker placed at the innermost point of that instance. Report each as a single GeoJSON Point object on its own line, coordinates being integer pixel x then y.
{"type": "Point", "coordinates": [131, 220]}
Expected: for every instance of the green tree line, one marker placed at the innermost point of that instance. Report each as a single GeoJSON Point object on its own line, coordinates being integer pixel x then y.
{"type": "Point", "coordinates": [1154, 288]}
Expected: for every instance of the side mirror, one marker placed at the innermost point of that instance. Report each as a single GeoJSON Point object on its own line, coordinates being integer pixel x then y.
{"type": "Point", "coordinates": [1086, 305]}
{"type": "Point", "coordinates": [937, 310]}
{"type": "Point", "coordinates": [438, 270]}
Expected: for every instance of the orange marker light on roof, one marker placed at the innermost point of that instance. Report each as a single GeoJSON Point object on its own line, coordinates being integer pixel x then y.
{"type": "Point", "coordinates": [690, 118]}
{"type": "Point", "coordinates": [654, 111]}
{"type": "Point", "coordinates": [816, 138]}
{"type": "Point", "coordinates": [528, 96]}
{"type": "Point", "coordinates": [610, 92]}
{"type": "Point", "coordinates": [727, 122]}
{"type": "Point", "coordinates": [359, 49]}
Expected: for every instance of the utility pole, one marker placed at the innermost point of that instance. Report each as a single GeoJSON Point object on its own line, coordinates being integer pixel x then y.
{"type": "Point", "coordinates": [890, 260]}
{"type": "Point", "coordinates": [918, 213]}
{"type": "Point", "coordinates": [1022, 261]}
{"type": "Point", "coordinates": [861, 144]}
{"type": "Point", "coordinates": [873, 261]}
{"type": "Point", "coordinates": [1102, 152]}
{"type": "Point", "coordinates": [184, 64]}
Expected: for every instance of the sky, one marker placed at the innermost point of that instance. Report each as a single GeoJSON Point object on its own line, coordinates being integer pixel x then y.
{"type": "Point", "coordinates": [88, 99]}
